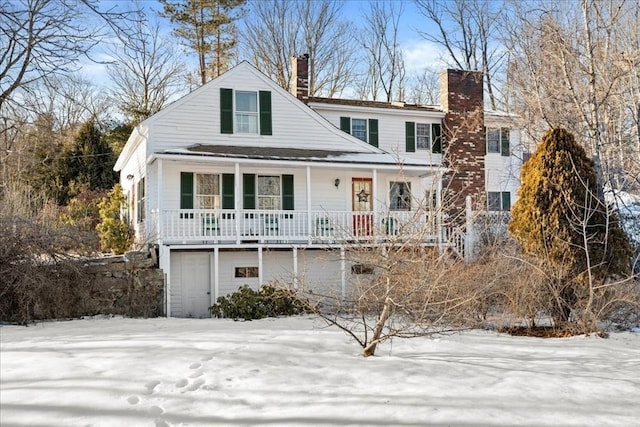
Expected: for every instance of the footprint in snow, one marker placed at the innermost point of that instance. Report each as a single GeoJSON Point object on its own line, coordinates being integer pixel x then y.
{"type": "Point", "coordinates": [196, 374]}
{"type": "Point", "coordinates": [133, 400]}
{"type": "Point", "coordinates": [195, 365]}
{"type": "Point", "coordinates": [156, 410]}
{"type": "Point", "coordinates": [183, 382]}
{"type": "Point", "coordinates": [161, 423]}
{"type": "Point", "coordinates": [196, 385]}
{"type": "Point", "coordinates": [150, 387]}
{"type": "Point", "coordinates": [207, 358]}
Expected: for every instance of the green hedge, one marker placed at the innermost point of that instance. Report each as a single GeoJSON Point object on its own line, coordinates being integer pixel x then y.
{"type": "Point", "coordinates": [249, 304]}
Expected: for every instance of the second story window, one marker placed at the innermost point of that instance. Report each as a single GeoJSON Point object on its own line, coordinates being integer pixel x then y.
{"type": "Point", "coordinates": [363, 129]}
{"type": "Point", "coordinates": [498, 140]}
{"type": "Point", "coordinates": [246, 112]}
{"type": "Point", "coordinates": [423, 136]}
{"type": "Point", "coordinates": [359, 129]}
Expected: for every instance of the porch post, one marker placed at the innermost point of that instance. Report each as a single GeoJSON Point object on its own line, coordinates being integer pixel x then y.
{"type": "Point", "coordinates": [165, 264]}
{"type": "Point", "coordinates": [469, 232]}
{"type": "Point", "coordinates": [343, 275]}
{"type": "Point", "coordinates": [260, 274]}
{"type": "Point", "coordinates": [237, 205]}
{"type": "Point", "coordinates": [374, 200]}
{"type": "Point", "coordinates": [212, 278]}
{"type": "Point", "coordinates": [439, 212]}
{"type": "Point", "coordinates": [216, 273]}
{"type": "Point", "coordinates": [309, 219]}
{"type": "Point", "coordinates": [159, 215]}
{"type": "Point", "coordinates": [295, 267]}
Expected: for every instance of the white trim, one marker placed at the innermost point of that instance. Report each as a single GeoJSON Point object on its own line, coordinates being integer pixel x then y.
{"type": "Point", "coordinates": [433, 169]}
{"type": "Point", "coordinates": [362, 109]}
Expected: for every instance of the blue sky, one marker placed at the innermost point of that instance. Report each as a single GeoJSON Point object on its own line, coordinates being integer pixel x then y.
{"type": "Point", "coordinates": [417, 51]}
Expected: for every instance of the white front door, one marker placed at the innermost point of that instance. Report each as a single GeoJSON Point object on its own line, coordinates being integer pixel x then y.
{"type": "Point", "coordinates": [190, 284]}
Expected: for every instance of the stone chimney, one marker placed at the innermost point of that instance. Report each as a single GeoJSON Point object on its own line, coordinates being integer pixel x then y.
{"type": "Point", "coordinates": [299, 86]}
{"type": "Point", "coordinates": [461, 98]}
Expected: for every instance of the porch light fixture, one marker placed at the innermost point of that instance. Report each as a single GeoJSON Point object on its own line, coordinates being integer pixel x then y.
{"type": "Point", "coordinates": [337, 182]}
{"type": "Point", "coordinates": [129, 177]}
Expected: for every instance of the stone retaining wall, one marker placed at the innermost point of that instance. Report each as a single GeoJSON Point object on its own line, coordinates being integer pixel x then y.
{"type": "Point", "coordinates": [129, 285]}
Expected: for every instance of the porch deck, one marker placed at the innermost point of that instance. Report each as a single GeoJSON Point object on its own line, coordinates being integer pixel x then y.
{"type": "Point", "coordinates": [300, 227]}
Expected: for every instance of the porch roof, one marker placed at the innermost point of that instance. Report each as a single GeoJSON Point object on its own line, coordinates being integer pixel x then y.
{"type": "Point", "coordinates": [294, 155]}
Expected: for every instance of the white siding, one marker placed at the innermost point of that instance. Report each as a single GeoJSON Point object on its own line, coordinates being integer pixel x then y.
{"type": "Point", "coordinates": [319, 272]}
{"type": "Point", "coordinates": [195, 119]}
{"type": "Point", "coordinates": [228, 262]}
{"type": "Point", "coordinates": [502, 173]}
{"type": "Point", "coordinates": [391, 130]}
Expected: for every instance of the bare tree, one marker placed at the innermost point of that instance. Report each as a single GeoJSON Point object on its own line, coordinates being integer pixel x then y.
{"type": "Point", "coordinates": [46, 38]}
{"type": "Point", "coordinates": [578, 68]}
{"type": "Point", "coordinates": [385, 69]}
{"type": "Point", "coordinates": [146, 71]}
{"type": "Point", "coordinates": [469, 30]}
{"type": "Point", "coordinates": [278, 29]}
{"type": "Point", "coordinates": [424, 88]}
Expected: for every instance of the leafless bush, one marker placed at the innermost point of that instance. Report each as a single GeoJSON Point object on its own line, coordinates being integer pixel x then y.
{"type": "Point", "coordinates": [411, 291]}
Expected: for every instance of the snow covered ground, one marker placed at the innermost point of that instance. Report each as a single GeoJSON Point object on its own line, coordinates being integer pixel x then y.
{"type": "Point", "coordinates": [296, 372]}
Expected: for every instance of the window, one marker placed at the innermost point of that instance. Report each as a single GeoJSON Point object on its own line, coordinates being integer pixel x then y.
{"type": "Point", "coordinates": [400, 196]}
{"type": "Point", "coordinates": [359, 129]}
{"type": "Point", "coordinates": [268, 192]}
{"type": "Point", "coordinates": [242, 272]}
{"type": "Point", "coordinates": [207, 191]}
{"type": "Point", "coordinates": [423, 136]}
{"type": "Point", "coordinates": [498, 201]}
{"type": "Point", "coordinates": [498, 140]}
{"type": "Point", "coordinates": [140, 203]}
{"type": "Point", "coordinates": [246, 112]}
{"type": "Point", "coordinates": [361, 269]}
{"type": "Point", "coordinates": [364, 129]}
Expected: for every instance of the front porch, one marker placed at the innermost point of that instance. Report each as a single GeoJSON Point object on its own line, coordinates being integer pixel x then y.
{"type": "Point", "coordinates": [235, 227]}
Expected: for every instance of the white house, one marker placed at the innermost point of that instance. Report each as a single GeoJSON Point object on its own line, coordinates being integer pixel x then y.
{"type": "Point", "coordinates": [242, 183]}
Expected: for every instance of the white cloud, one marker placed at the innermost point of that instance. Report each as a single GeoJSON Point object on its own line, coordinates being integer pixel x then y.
{"type": "Point", "coordinates": [420, 54]}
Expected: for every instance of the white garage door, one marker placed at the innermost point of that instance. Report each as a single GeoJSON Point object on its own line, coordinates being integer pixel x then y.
{"type": "Point", "coordinates": [190, 282]}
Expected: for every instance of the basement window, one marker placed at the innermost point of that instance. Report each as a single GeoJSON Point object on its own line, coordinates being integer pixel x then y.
{"type": "Point", "coordinates": [242, 272]}
{"type": "Point", "coordinates": [361, 269]}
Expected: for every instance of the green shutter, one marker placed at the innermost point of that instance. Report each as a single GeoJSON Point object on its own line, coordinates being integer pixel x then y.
{"type": "Point", "coordinates": [186, 190]}
{"type": "Point", "coordinates": [228, 191]}
{"type": "Point", "coordinates": [265, 112]}
{"type": "Point", "coordinates": [373, 132]}
{"type": "Point", "coordinates": [287, 192]}
{"type": "Point", "coordinates": [249, 191]}
{"type": "Point", "coordinates": [226, 110]}
{"type": "Point", "coordinates": [345, 124]}
{"type": "Point", "coordinates": [410, 134]}
{"type": "Point", "coordinates": [506, 201]}
{"type": "Point", "coordinates": [436, 135]}
{"type": "Point", "coordinates": [504, 142]}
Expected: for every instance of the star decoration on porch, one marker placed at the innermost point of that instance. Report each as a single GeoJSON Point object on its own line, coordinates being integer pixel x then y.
{"type": "Point", "coordinates": [363, 196]}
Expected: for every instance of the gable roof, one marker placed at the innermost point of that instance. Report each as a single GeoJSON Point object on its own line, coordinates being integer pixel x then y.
{"type": "Point", "coordinates": [332, 138]}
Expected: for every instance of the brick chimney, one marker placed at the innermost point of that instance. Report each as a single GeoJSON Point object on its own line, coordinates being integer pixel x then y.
{"type": "Point", "coordinates": [299, 86]}
{"type": "Point", "coordinates": [461, 98]}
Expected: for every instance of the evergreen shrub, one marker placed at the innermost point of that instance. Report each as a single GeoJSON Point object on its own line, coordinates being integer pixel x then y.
{"type": "Point", "coordinates": [249, 304]}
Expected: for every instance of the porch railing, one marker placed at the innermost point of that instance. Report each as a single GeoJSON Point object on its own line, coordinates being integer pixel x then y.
{"type": "Point", "coordinates": [183, 225]}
